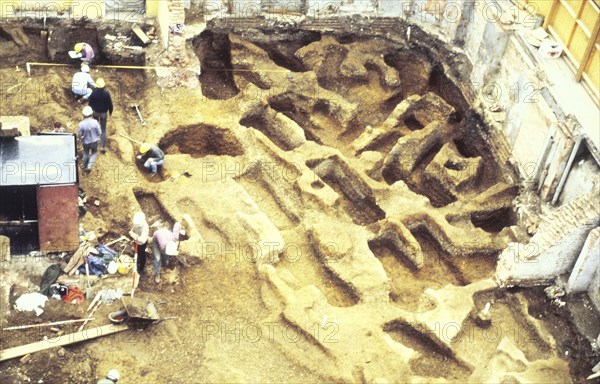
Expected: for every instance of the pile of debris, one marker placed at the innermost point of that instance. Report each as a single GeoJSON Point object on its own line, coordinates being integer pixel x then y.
{"type": "Point", "coordinates": [127, 46]}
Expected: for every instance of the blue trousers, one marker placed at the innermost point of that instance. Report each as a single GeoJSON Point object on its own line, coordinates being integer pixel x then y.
{"type": "Point", "coordinates": [89, 159]}
{"type": "Point", "coordinates": [85, 93]}
{"type": "Point", "coordinates": [102, 117]}
{"type": "Point", "coordinates": [158, 258]}
{"type": "Point", "coordinates": [153, 164]}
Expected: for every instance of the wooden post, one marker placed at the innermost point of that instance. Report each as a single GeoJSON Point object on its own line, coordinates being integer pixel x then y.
{"type": "Point", "coordinates": [588, 50]}
{"type": "Point", "coordinates": [550, 14]}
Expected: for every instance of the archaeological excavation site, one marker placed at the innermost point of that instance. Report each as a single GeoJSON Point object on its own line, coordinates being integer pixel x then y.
{"type": "Point", "coordinates": [345, 191]}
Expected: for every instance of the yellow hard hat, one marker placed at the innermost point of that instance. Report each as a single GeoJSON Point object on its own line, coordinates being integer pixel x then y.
{"type": "Point", "coordinates": [145, 147]}
{"type": "Point", "coordinates": [78, 47]}
{"type": "Point", "coordinates": [100, 83]}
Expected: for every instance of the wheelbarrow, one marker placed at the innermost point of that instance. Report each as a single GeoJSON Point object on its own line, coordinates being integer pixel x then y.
{"type": "Point", "coordinates": [138, 312]}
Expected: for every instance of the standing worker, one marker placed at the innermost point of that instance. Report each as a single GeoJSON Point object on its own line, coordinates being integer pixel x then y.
{"type": "Point", "coordinates": [82, 81]}
{"type": "Point", "coordinates": [152, 156]}
{"type": "Point", "coordinates": [139, 234]}
{"type": "Point", "coordinates": [89, 134]}
{"type": "Point", "coordinates": [101, 103]}
{"type": "Point", "coordinates": [85, 52]}
{"type": "Point", "coordinates": [164, 245]}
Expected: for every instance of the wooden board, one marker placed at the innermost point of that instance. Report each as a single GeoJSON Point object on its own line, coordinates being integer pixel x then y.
{"type": "Point", "coordinates": [141, 35]}
{"type": "Point", "coordinates": [86, 334]}
{"type": "Point", "coordinates": [58, 217]}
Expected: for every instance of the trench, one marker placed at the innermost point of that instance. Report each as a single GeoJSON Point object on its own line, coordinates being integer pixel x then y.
{"type": "Point", "coordinates": [435, 360]}
{"type": "Point", "coordinates": [153, 208]}
{"type": "Point", "coordinates": [201, 140]}
{"type": "Point", "coordinates": [214, 51]}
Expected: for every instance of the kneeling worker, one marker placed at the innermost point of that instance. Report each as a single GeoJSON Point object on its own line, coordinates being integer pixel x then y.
{"type": "Point", "coordinates": [152, 156]}
{"type": "Point", "coordinates": [82, 83]}
{"type": "Point", "coordinates": [84, 51]}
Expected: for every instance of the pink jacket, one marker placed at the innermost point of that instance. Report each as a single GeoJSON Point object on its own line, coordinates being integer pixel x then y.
{"type": "Point", "coordinates": [88, 53]}
{"type": "Point", "coordinates": [162, 236]}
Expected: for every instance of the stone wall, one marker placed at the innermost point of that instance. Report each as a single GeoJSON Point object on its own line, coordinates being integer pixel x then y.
{"type": "Point", "coordinates": [555, 247]}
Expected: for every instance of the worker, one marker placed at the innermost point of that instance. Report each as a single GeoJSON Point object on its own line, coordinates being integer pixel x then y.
{"type": "Point", "coordinates": [111, 378]}
{"type": "Point", "coordinates": [152, 156]}
{"type": "Point", "coordinates": [58, 128]}
{"type": "Point", "coordinates": [85, 52]}
{"type": "Point", "coordinates": [101, 103]}
{"type": "Point", "coordinates": [89, 134]}
{"type": "Point", "coordinates": [82, 83]}
{"type": "Point", "coordinates": [139, 234]}
{"type": "Point", "coordinates": [164, 245]}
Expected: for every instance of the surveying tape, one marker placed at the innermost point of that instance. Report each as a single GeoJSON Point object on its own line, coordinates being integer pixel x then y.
{"type": "Point", "coordinates": [29, 65]}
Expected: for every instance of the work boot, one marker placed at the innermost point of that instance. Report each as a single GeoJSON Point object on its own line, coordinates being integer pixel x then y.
{"type": "Point", "coordinates": [103, 150]}
{"type": "Point", "coordinates": [157, 279]}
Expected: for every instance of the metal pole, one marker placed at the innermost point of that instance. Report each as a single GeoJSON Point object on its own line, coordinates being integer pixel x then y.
{"type": "Point", "coordinates": [563, 178]}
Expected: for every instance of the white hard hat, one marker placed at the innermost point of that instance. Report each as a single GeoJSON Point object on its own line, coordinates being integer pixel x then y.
{"type": "Point", "coordinates": [139, 218]}
{"type": "Point", "coordinates": [85, 68]}
{"type": "Point", "coordinates": [171, 248]}
{"type": "Point", "coordinates": [87, 111]}
{"type": "Point", "coordinates": [113, 375]}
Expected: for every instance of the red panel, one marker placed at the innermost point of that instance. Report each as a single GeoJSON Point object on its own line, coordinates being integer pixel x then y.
{"type": "Point", "coordinates": [58, 218]}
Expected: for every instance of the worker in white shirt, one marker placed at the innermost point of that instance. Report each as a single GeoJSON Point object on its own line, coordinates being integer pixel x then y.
{"type": "Point", "coordinates": [82, 83]}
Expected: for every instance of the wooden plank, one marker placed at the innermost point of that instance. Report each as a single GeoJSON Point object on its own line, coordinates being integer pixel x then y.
{"type": "Point", "coordinates": [58, 215]}
{"type": "Point", "coordinates": [59, 341]}
{"type": "Point", "coordinates": [568, 8]}
{"type": "Point", "coordinates": [585, 29]}
{"type": "Point", "coordinates": [551, 14]}
{"type": "Point", "coordinates": [141, 35]}
{"type": "Point", "coordinates": [17, 327]}
{"type": "Point", "coordinates": [588, 50]}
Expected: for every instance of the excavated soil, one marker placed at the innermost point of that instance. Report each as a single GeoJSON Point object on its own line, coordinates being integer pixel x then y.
{"type": "Point", "coordinates": [347, 217]}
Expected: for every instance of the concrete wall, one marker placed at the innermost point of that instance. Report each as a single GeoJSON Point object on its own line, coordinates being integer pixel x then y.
{"type": "Point", "coordinates": [163, 18]}
{"type": "Point", "coordinates": [587, 265]}
{"type": "Point", "coordinates": [579, 179]}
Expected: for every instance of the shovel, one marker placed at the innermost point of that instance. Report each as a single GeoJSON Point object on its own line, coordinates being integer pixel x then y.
{"type": "Point", "coordinates": [137, 109]}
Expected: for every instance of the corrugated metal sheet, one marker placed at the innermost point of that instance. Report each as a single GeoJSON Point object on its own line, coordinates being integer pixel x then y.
{"type": "Point", "coordinates": [58, 218]}
{"type": "Point", "coordinates": [38, 160]}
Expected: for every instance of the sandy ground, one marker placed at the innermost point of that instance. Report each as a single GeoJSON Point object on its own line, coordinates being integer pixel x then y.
{"type": "Point", "coordinates": [232, 323]}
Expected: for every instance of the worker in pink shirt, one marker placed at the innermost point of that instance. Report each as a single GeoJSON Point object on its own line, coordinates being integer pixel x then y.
{"type": "Point", "coordinates": [85, 52]}
{"type": "Point", "coordinates": [165, 244]}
